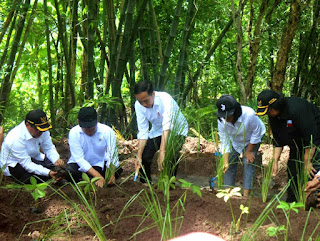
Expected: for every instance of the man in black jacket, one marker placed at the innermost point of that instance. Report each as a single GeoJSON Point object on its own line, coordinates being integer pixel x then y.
{"type": "Point", "coordinates": [294, 122]}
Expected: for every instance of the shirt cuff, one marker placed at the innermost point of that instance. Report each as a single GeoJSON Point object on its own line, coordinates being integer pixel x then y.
{"type": "Point", "coordinates": [142, 136]}
{"type": "Point", "coordinates": [85, 166]}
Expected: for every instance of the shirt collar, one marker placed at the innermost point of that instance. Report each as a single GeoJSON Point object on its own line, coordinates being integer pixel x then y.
{"type": "Point", "coordinates": [98, 129]}
{"type": "Point", "coordinates": [156, 100]}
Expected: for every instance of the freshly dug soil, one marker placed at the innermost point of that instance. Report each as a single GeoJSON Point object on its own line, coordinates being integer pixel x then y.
{"type": "Point", "coordinates": [206, 214]}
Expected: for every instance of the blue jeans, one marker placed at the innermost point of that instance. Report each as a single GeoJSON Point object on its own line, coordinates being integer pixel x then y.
{"type": "Point", "coordinates": [229, 177]}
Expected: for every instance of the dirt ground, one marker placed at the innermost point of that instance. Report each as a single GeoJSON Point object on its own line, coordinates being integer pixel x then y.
{"type": "Point", "coordinates": [208, 213]}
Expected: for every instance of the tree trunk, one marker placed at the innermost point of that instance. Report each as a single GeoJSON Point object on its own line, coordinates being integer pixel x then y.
{"type": "Point", "coordinates": [254, 47]}
{"type": "Point", "coordinates": [285, 46]}
{"type": "Point", "coordinates": [6, 48]}
{"type": "Point", "coordinates": [201, 65]}
{"type": "Point", "coordinates": [51, 100]}
{"type": "Point", "coordinates": [180, 76]}
{"type": "Point", "coordinates": [237, 19]}
{"type": "Point", "coordinates": [6, 85]}
{"type": "Point", "coordinates": [90, 48]}
{"type": "Point", "coordinates": [173, 32]}
{"type": "Point", "coordinates": [69, 87]}
{"type": "Point", "coordinates": [11, 14]}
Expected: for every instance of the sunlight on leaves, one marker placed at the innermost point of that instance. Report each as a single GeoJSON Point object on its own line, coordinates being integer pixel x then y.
{"type": "Point", "coordinates": [228, 193]}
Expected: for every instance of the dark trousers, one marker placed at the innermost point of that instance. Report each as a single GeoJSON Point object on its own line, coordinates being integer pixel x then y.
{"type": "Point", "coordinates": [21, 175]}
{"type": "Point", "coordinates": [152, 147]}
{"type": "Point", "coordinates": [73, 170]}
{"type": "Point", "coordinates": [295, 167]}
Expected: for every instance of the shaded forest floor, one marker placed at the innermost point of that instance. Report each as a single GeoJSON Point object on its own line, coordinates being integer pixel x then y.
{"type": "Point", "coordinates": [207, 214]}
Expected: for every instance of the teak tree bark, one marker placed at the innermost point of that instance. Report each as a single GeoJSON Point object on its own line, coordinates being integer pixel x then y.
{"type": "Point", "coordinates": [285, 46]}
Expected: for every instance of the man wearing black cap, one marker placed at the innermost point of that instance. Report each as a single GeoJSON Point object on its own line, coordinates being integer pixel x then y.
{"type": "Point", "coordinates": [20, 152]}
{"type": "Point", "coordinates": [240, 131]}
{"type": "Point", "coordinates": [93, 148]}
{"type": "Point", "coordinates": [294, 122]}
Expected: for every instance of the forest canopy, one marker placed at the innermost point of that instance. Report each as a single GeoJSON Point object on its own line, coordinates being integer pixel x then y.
{"type": "Point", "coordinates": [60, 55]}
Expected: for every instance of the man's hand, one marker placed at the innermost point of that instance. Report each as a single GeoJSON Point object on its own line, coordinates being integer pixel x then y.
{"type": "Point", "coordinates": [112, 180]}
{"type": "Point", "coordinates": [250, 156]}
{"type": "Point", "coordinates": [59, 163]}
{"type": "Point", "coordinates": [310, 169]}
{"type": "Point", "coordinates": [100, 183]}
{"type": "Point", "coordinates": [137, 164]}
{"type": "Point", "coordinates": [53, 174]}
{"type": "Point", "coordinates": [274, 168]}
{"type": "Point", "coordinates": [162, 154]}
{"type": "Point", "coordinates": [313, 184]}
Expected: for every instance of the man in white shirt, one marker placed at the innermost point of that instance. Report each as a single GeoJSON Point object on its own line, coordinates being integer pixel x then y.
{"type": "Point", "coordinates": [93, 148]}
{"type": "Point", "coordinates": [20, 153]}
{"type": "Point", "coordinates": [164, 114]}
{"type": "Point", "coordinates": [240, 130]}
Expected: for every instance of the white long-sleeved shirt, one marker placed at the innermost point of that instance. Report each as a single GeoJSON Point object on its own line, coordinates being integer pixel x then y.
{"type": "Point", "coordinates": [247, 129]}
{"type": "Point", "coordinates": [165, 114]}
{"type": "Point", "coordinates": [19, 147]}
{"type": "Point", "coordinates": [97, 150]}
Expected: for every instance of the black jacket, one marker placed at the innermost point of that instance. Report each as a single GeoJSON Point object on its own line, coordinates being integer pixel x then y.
{"type": "Point", "coordinates": [298, 124]}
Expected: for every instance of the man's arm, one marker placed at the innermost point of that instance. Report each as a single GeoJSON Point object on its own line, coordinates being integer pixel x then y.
{"type": "Point", "coordinates": [1, 136]}
{"type": "Point", "coordinates": [249, 154]}
{"type": "Point", "coordinates": [162, 150]}
{"type": "Point", "coordinates": [308, 154]}
{"type": "Point", "coordinates": [225, 157]}
{"type": "Point", "coordinates": [94, 173]}
{"type": "Point", "coordinates": [276, 156]}
{"type": "Point", "coordinates": [50, 150]}
{"type": "Point", "coordinates": [141, 145]}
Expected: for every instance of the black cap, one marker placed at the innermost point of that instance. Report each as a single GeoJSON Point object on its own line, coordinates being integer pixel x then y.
{"type": "Point", "coordinates": [226, 106]}
{"type": "Point", "coordinates": [87, 117]}
{"type": "Point", "coordinates": [38, 119]}
{"type": "Point", "coordinates": [265, 99]}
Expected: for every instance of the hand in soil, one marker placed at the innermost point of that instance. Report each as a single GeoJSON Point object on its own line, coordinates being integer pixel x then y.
{"type": "Point", "coordinates": [311, 170]}
{"type": "Point", "coordinates": [100, 182]}
{"type": "Point", "coordinates": [312, 200]}
{"type": "Point", "coordinates": [112, 180]}
{"type": "Point", "coordinates": [314, 184]}
{"type": "Point", "coordinates": [59, 163]}
{"type": "Point", "coordinates": [60, 173]}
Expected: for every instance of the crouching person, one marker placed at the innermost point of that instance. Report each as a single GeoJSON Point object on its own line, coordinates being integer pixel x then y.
{"type": "Point", "coordinates": [20, 155]}
{"type": "Point", "coordinates": [93, 149]}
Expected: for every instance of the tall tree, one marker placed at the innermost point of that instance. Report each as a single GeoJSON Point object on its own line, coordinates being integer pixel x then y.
{"type": "Point", "coordinates": [285, 46]}
{"type": "Point", "coordinates": [6, 84]}
{"type": "Point", "coordinates": [51, 100]}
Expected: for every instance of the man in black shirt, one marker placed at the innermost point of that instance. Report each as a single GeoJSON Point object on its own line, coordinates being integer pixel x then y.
{"type": "Point", "coordinates": [294, 122]}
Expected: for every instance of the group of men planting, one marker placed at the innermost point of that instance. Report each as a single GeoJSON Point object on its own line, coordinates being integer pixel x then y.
{"type": "Point", "coordinates": [28, 150]}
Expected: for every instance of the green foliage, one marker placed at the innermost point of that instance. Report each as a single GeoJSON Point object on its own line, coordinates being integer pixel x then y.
{"type": "Point", "coordinates": [89, 186]}
{"type": "Point", "coordinates": [36, 189]}
{"type": "Point", "coordinates": [162, 215]}
{"type": "Point", "coordinates": [287, 208]}
{"type": "Point", "coordinates": [274, 231]}
{"type": "Point", "coordinates": [228, 193]}
{"type": "Point", "coordinates": [195, 189]}
{"type": "Point", "coordinates": [266, 172]}
{"type": "Point", "coordinates": [201, 117]}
